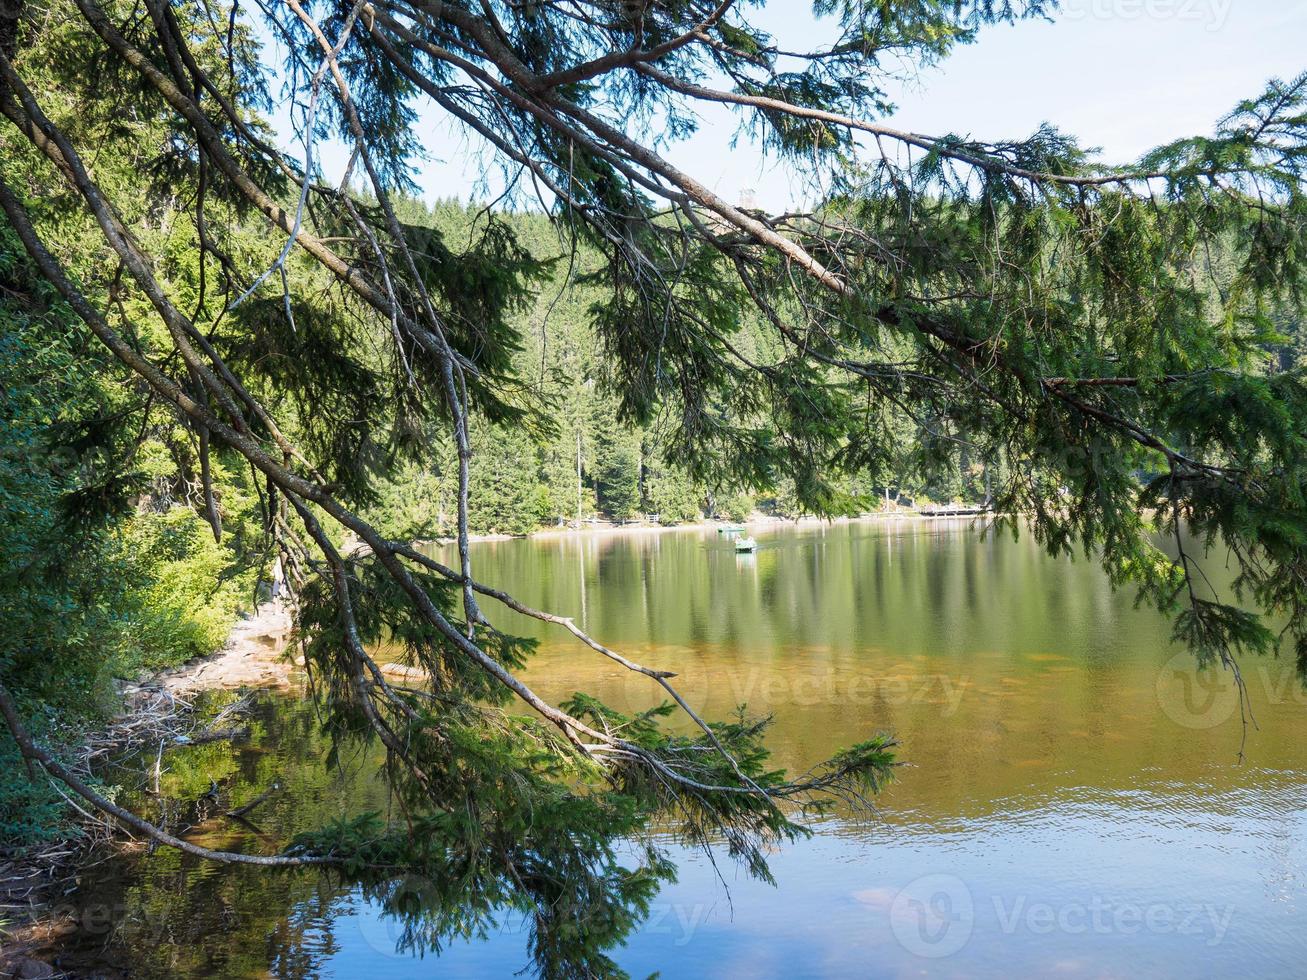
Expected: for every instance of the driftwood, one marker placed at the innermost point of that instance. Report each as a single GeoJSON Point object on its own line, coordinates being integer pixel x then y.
{"type": "Point", "coordinates": [271, 791]}
{"type": "Point", "coordinates": [35, 755]}
{"type": "Point", "coordinates": [213, 735]}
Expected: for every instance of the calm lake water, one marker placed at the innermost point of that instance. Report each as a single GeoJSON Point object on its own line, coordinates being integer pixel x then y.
{"type": "Point", "coordinates": [1073, 804]}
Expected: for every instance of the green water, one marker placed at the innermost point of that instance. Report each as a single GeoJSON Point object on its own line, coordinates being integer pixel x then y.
{"type": "Point", "coordinates": [1072, 806]}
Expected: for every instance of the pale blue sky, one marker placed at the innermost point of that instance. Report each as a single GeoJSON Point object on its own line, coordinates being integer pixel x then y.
{"type": "Point", "coordinates": [1124, 75]}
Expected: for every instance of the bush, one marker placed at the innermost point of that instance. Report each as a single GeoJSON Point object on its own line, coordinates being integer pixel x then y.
{"type": "Point", "coordinates": [191, 590]}
{"type": "Point", "coordinates": [96, 578]}
{"type": "Point", "coordinates": [738, 507]}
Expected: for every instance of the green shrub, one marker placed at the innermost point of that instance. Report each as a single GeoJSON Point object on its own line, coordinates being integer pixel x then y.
{"type": "Point", "coordinates": [738, 507]}
{"type": "Point", "coordinates": [191, 592]}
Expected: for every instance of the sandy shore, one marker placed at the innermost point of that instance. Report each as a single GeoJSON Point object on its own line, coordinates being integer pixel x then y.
{"type": "Point", "coordinates": [253, 656]}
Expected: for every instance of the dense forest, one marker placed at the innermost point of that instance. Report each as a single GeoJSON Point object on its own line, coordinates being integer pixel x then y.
{"type": "Point", "coordinates": [216, 360]}
{"type": "Point", "coordinates": [580, 458]}
{"type": "Point", "coordinates": [147, 584]}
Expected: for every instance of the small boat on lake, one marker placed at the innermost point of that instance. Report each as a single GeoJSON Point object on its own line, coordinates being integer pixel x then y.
{"type": "Point", "coordinates": [730, 529]}
{"type": "Point", "coordinates": [955, 510]}
{"type": "Point", "coordinates": [745, 545]}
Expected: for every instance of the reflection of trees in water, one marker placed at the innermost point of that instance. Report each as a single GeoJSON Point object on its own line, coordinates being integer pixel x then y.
{"type": "Point", "coordinates": [1005, 674]}
{"type": "Point", "coordinates": [1023, 680]}
{"type": "Point", "coordinates": [163, 913]}
{"type": "Point", "coordinates": [169, 914]}
{"type": "Point", "coordinates": [165, 916]}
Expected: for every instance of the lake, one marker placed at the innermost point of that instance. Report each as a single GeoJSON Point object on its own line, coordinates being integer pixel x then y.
{"type": "Point", "coordinates": [1072, 804]}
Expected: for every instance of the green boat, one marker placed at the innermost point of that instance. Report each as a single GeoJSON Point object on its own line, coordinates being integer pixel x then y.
{"type": "Point", "coordinates": [745, 545]}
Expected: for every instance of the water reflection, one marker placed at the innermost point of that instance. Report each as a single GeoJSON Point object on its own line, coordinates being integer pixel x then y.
{"type": "Point", "coordinates": [1072, 804]}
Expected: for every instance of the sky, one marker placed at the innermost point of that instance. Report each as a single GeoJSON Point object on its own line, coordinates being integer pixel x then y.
{"type": "Point", "coordinates": [1121, 75]}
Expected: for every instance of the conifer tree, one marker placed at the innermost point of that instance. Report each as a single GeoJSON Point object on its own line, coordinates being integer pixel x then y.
{"type": "Point", "coordinates": [1099, 334]}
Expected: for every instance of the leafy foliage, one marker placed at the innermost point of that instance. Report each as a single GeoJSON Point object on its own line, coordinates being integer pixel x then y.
{"type": "Point", "coordinates": [1097, 349]}
{"type": "Point", "coordinates": [105, 573]}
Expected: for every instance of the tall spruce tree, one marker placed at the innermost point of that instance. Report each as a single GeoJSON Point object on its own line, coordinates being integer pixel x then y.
{"type": "Point", "coordinates": [1097, 334]}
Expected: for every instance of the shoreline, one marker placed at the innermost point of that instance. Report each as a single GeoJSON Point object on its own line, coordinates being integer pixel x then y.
{"type": "Point", "coordinates": [758, 521]}
{"type": "Point", "coordinates": [253, 656]}
{"type": "Point", "coordinates": [155, 709]}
